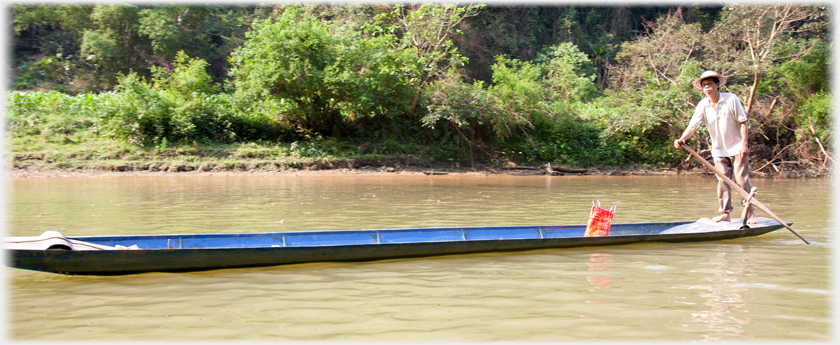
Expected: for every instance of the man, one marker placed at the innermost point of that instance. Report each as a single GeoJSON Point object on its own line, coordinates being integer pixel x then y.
{"type": "Point", "coordinates": [726, 121]}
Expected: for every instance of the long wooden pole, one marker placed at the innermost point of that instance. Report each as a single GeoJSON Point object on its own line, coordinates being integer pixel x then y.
{"type": "Point", "coordinates": [741, 191]}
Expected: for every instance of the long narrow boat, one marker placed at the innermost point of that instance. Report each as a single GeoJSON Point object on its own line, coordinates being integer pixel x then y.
{"type": "Point", "coordinates": [114, 255]}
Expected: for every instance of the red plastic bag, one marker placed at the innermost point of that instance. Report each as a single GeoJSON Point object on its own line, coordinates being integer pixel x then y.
{"type": "Point", "coordinates": [599, 220]}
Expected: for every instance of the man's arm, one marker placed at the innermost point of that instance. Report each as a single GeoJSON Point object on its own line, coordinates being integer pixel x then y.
{"type": "Point", "coordinates": [689, 131]}
{"type": "Point", "coordinates": [745, 149]}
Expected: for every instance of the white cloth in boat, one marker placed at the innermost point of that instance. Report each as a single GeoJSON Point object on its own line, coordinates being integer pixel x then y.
{"type": "Point", "coordinates": [57, 240]}
{"type": "Point", "coordinates": [709, 225]}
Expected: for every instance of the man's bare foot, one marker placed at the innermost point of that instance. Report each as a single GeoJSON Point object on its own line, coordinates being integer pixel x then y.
{"type": "Point", "coordinates": [751, 217]}
{"type": "Point", "coordinates": [722, 218]}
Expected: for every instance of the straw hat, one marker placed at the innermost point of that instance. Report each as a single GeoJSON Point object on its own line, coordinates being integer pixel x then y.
{"type": "Point", "coordinates": [709, 74]}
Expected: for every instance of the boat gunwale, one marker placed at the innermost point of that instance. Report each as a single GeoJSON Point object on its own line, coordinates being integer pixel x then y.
{"type": "Point", "coordinates": [359, 231]}
{"type": "Point", "coordinates": [634, 238]}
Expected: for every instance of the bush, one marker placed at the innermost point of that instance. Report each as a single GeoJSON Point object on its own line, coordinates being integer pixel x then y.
{"type": "Point", "coordinates": [138, 114]}
{"type": "Point", "coordinates": [198, 111]}
{"type": "Point", "coordinates": [519, 93]}
{"type": "Point", "coordinates": [561, 137]}
{"type": "Point", "coordinates": [329, 74]}
{"type": "Point", "coordinates": [467, 107]}
{"type": "Point", "coordinates": [814, 119]}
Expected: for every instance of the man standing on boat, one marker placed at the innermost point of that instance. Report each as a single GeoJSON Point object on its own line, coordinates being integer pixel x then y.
{"type": "Point", "coordinates": [726, 121]}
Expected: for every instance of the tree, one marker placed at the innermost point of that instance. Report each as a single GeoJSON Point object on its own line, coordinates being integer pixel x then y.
{"type": "Point", "coordinates": [651, 91]}
{"type": "Point", "coordinates": [50, 29]}
{"type": "Point", "coordinates": [426, 31]}
{"type": "Point", "coordinates": [655, 57]}
{"type": "Point", "coordinates": [46, 46]}
{"type": "Point", "coordinates": [568, 72]}
{"type": "Point", "coordinates": [749, 38]}
{"type": "Point", "coordinates": [114, 44]}
{"type": "Point", "coordinates": [159, 25]}
{"type": "Point", "coordinates": [82, 48]}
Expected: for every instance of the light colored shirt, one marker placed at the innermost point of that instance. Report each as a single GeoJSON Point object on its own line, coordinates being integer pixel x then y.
{"type": "Point", "coordinates": [724, 124]}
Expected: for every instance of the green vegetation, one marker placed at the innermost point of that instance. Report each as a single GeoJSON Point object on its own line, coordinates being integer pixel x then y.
{"type": "Point", "coordinates": [126, 87]}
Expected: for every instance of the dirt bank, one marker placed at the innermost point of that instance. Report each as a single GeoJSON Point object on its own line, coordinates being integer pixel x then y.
{"type": "Point", "coordinates": [384, 170]}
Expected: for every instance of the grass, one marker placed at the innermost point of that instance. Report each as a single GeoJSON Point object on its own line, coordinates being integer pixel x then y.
{"type": "Point", "coordinates": [39, 153]}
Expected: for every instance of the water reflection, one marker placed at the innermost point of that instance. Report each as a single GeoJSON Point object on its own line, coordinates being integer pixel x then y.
{"type": "Point", "coordinates": [599, 263]}
{"type": "Point", "coordinates": [727, 263]}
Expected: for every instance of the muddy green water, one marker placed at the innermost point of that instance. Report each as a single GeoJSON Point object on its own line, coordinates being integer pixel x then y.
{"type": "Point", "coordinates": [771, 287]}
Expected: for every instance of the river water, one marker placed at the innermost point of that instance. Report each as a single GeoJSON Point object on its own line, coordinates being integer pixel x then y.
{"type": "Point", "coordinates": [771, 287]}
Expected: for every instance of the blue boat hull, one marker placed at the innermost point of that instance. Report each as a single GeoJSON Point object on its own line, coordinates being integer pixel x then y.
{"type": "Point", "coordinates": [178, 253]}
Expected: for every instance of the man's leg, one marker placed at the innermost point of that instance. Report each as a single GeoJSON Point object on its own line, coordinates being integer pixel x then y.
{"type": "Point", "coordinates": [741, 172]}
{"type": "Point", "coordinates": [724, 165]}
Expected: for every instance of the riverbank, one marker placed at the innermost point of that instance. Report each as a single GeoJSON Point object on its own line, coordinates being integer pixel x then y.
{"type": "Point", "coordinates": [108, 158]}
{"type": "Point", "coordinates": [388, 170]}
{"type": "Point", "coordinates": [42, 156]}
{"type": "Point", "coordinates": [370, 171]}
